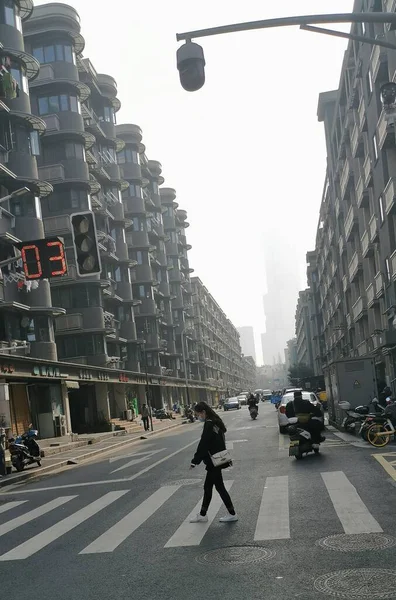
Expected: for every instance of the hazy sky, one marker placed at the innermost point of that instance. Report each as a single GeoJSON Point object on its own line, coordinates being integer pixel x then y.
{"type": "Point", "coordinates": [245, 154]}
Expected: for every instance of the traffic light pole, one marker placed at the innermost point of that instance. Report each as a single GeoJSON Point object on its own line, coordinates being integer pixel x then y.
{"type": "Point", "coordinates": [302, 20]}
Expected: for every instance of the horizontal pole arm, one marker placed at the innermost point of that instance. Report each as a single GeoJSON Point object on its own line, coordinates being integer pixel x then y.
{"type": "Point", "coordinates": [349, 36]}
{"type": "Point", "coordinates": [375, 17]}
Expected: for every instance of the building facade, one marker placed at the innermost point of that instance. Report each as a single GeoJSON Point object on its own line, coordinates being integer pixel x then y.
{"type": "Point", "coordinates": [247, 341]}
{"type": "Point", "coordinates": [303, 330]}
{"type": "Point", "coordinates": [291, 353]}
{"type": "Point", "coordinates": [355, 255]}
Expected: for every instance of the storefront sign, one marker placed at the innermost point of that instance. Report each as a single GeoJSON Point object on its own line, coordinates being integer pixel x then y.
{"type": "Point", "coordinates": [88, 375]}
{"type": "Point", "coordinates": [45, 371]}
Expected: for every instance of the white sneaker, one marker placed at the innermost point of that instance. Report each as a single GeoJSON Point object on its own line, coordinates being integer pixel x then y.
{"type": "Point", "coordinates": [229, 519]}
{"type": "Point", "coordinates": [199, 519]}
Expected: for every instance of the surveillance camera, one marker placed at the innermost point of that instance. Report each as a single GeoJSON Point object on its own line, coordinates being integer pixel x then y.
{"type": "Point", "coordinates": [191, 66]}
{"type": "Point", "coordinates": [388, 93]}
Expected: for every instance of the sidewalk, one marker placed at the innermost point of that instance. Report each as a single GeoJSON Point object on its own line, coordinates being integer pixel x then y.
{"type": "Point", "coordinates": [84, 448]}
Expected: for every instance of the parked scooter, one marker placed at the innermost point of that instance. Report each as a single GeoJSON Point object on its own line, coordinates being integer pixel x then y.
{"type": "Point", "coordinates": [301, 440]}
{"type": "Point", "coordinates": [25, 450]}
{"type": "Point", "coordinates": [355, 417]}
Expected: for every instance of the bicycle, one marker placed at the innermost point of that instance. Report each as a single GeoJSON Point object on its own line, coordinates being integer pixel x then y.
{"type": "Point", "coordinates": [379, 434]}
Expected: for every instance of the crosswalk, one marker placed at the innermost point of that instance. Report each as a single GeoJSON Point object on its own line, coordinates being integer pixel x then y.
{"type": "Point", "coordinates": [276, 508]}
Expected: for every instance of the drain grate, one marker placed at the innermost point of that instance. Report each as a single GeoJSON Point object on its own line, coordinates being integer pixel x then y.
{"type": "Point", "coordinates": [357, 542]}
{"type": "Point", "coordinates": [358, 584]}
{"type": "Point", "coordinates": [236, 555]}
{"type": "Point", "coordinates": [185, 482]}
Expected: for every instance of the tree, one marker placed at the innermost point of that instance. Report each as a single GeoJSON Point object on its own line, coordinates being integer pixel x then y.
{"type": "Point", "coordinates": [299, 372]}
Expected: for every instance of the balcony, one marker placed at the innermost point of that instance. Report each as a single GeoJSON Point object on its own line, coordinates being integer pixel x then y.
{"type": "Point", "coordinates": [52, 173]}
{"type": "Point", "coordinates": [337, 207]}
{"type": "Point", "coordinates": [370, 292]}
{"type": "Point", "coordinates": [345, 283]}
{"type": "Point", "coordinates": [349, 321]}
{"type": "Point", "coordinates": [392, 261]}
{"type": "Point", "coordinates": [362, 115]}
{"type": "Point", "coordinates": [389, 195]}
{"type": "Point", "coordinates": [341, 245]}
{"type": "Point", "coordinates": [385, 132]}
{"type": "Point", "coordinates": [69, 322]}
{"type": "Point", "coordinates": [362, 349]}
{"type": "Point", "coordinates": [389, 6]}
{"type": "Point", "coordinates": [350, 222]}
{"type": "Point", "coordinates": [379, 284]}
{"type": "Point", "coordinates": [359, 308]}
{"type": "Point", "coordinates": [362, 196]}
{"type": "Point", "coordinates": [345, 175]}
{"type": "Point", "coordinates": [373, 229]}
{"type": "Point", "coordinates": [355, 139]}
{"type": "Point", "coordinates": [367, 247]}
{"type": "Point", "coordinates": [354, 266]}
{"type": "Point", "coordinates": [377, 60]}
{"type": "Point", "coordinates": [367, 171]}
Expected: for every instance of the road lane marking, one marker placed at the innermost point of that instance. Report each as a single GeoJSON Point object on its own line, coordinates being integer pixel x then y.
{"type": "Point", "coordinates": [33, 514]}
{"type": "Point", "coordinates": [11, 505]}
{"type": "Point", "coordinates": [191, 534]}
{"type": "Point", "coordinates": [117, 534]}
{"type": "Point", "coordinates": [104, 481]}
{"type": "Point", "coordinates": [43, 539]}
{"type": "Point", "coordinates": [350, 508]}
{"type": "Point", "coordinates": [136, 461]}
{"type": "Point", "coordinates": [388, 466]}
{"type": "Point", "coordinates": [133, 455]}
{"type": "Point", "coordinates": [273, 518]}
{"type": "Point", "coordinates": [230, 445]}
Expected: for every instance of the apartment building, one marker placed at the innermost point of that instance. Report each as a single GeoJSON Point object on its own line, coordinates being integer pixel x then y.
{"type": "Point", "coordinates": [355, 255]}
{"type": "Point", "coordinates": [303, 330]}
{"type": "Point", "coordinates": [220, 362]}
{"type": "Point", "coordinates": [291, 353]}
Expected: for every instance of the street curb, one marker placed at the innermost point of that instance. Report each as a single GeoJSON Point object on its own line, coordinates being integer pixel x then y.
{"type": "Point", "coordinates": [30, 474]}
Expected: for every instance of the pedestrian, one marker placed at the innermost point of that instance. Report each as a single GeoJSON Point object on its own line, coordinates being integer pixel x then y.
{"type": "Point", "coordinates": [145, 417]}
{"type": "Point", "coordinates": [212, 441]}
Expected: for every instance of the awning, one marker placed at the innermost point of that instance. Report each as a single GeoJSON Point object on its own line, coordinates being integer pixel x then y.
{"type": "Point", "coordinates": [72, 385]}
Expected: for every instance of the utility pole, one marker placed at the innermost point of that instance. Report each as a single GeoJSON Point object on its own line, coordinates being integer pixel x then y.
{"type": "Point", "coordinates": [148, 401]}
{"type": "Point", "coordinates": [182, 339]}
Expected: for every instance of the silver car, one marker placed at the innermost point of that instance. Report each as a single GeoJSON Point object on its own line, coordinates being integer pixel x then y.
{"type": "Point", "coordinates": [282, 418]}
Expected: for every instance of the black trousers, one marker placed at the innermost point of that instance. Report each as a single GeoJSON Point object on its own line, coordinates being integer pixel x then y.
{"type": "Point", "coordinates": [146, 423]}
{"type": "Point", "coordinates": [214, 477]}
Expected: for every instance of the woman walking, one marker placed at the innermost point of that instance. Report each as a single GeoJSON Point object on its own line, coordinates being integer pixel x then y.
{"type": "Point", "coordinates": [211, 442]}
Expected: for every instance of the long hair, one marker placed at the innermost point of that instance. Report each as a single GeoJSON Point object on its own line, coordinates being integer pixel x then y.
{"type": "Point", "coordinates": [210, 414]}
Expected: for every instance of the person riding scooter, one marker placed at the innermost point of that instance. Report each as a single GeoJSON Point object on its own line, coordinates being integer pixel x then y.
{"type": "Point", "coordinates": [309, 416]}
{"type": "Point", "coordinates": [252, 402]}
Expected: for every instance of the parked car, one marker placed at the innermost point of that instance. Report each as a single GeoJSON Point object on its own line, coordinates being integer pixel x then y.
{"type": "Point", "coordinates": [267, 395]}
{"type": "Point", "coordinates": [232, 403]}
{"type": "Point", "coordinates": [282, 418]}
{"type": "Point", "coordinates": [242, 399]}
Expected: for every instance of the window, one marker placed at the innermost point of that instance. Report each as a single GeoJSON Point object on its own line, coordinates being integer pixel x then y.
{"type": "Point", "coordinates": [108, 115]}
{"type": "Point", "coordinates": [137, 224]}
{"type": "Point", "coordinates": [138, 256]}
{"type": "Point", "coordinates": [19, 74]}
{"type": "Point", "coordinates": [128, 156]}
{"type": "Point", "coordinates": [38, 329]}
{"type": "Point", "coordinates": [76, 297]}
{"type": "Point", "coordinates": [11, 15]}
{"type": "Point", "coordinates": [168, 211]}
{"type": "Point", "coordinates": [375, 147]}
{"type": "Point", "coordinates": [86, 345]}
{"type": "Point", "coordinates": [154, 187]}
{"type": "Point", "coordinates": [54, 104]}
{"type": "Point", "coordinates": [28, 206]}
{"type": "Point", "coordinates": [381, 209]}
{"type": "Point", "coordinates": [173, 237]}
{"type": "Point", "coordinates": [135, 190]}
{"type": "Point", "coordinates": [68, 199]}
{"type": "Point", "coordinates": [34, 143]}
{"type": "Point", "coordinates": [75, 150]}
{"type": "Point", "coordinates": [143, 291]}
{"type": "Point", "coordinates": [52, 53]}
{"type": "Point", "coordinates": [388, 270]}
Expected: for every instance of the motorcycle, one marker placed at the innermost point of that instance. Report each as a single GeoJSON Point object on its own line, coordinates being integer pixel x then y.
{"type": "Point", "coordinates": [301, 440]}
{"type": "Point", "coordinates": [356, 416]}
{"type": "Point", "coordinates": [253, 413]}
{"type": "Point", "coordinates": [25, 450]}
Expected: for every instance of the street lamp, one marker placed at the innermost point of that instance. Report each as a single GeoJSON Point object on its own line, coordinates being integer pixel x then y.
{"type": "Point", "coordinates": [16, 194]}
{"type": "Point", "coordinates": [190, 57]}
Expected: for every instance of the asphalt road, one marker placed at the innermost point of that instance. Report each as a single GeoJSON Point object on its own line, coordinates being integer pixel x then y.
{"type": "Point", "coordinates": [117, 527]}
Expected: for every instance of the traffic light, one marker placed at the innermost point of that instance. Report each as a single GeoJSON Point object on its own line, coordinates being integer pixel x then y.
{"type": "Point", "coordinates": [85, 245]}
{"type": "Point", "coordinates": [191, 66]}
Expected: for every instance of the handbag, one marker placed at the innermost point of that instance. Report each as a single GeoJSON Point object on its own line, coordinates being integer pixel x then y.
{"type": "Point", "coordinates": [220, 458]}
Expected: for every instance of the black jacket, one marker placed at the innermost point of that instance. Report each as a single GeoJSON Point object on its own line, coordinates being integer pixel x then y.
{"type": "Point", "coordinates": [212, 441]}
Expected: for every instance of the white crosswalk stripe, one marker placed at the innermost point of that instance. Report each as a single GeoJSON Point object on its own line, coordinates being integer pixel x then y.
{"type": "Point", "coordinates": [191, 534]}
{"type": "Point", "coordinates": [10, 505]}
{"type": "Point", "coordinates": [274, 515]}
{"type": "Point", "coordinates": [350, 508]}
{"type": "Point", "coordinates": [41, 540]}
{"type": "Point", "coordinates": [114, 536]}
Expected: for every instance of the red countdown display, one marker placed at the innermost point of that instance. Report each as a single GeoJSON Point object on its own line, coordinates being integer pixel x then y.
{"type": "Point", "coordinates": [43, 259]}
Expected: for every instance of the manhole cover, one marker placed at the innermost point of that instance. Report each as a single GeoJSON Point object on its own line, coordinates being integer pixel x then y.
{"type": "Point", "coordinates": [236, 555]}
{"type": "Point", "coordinates": [357, 584]}
{"type": "Point", "coordinates": [357, 543]}
{"type": "Point", "coordinates": [185, 482]}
